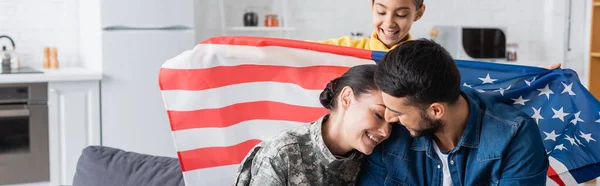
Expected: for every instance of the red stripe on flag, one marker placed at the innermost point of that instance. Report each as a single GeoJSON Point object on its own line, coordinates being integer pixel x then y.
{"type": "Point", "coordinates": [315, 77]}
{"type": "Point", "coordinates": [263, 41]}
{"type": "Point", "coordinates": [233, 114]}
{"type": "Point", "coordinates": [552, 174]}
{"type": "Point", "coordinates": [215, 156]}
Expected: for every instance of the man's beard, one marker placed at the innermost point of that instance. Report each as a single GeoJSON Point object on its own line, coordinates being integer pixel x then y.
{"type": "Point", "coordinates": [428, 126]}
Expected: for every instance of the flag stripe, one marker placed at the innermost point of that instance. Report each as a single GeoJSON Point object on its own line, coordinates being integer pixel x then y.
{"type": "Point", "coordinates": [231, 115]}
{"type": "Point", "coordinates": [552, 175]}
{"type": "Point", "coordinates": [222, 175]}
{"type": "Point", "coordinates": [315, 77]}
{"type": "Point", "coordinates": [213, 55]}
{"type": "Point", "coordinates": [183, 100]}
{"type": "Point", "coordinates": [562, 170]}
{"type": "Point", "coordinates": [220, 137]}
{"type": "Point", "coordinates": [295, 44]}
{"type": "Point", "coordinates": [215, 156]}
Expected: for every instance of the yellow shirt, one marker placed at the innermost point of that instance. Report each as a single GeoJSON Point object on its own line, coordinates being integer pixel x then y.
{"type": "Point", "coordinates": [372, 43]}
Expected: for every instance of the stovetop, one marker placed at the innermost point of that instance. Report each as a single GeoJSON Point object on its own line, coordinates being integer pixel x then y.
{"type": "Point", "coordinates": [21, 70]}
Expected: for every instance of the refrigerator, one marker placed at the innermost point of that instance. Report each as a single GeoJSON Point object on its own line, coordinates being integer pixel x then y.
{"type": "Point", "coordinates": [138, 36]}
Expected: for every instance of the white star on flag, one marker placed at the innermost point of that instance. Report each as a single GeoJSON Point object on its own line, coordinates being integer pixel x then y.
{"type": "Point", "coordinates": [467, 85]}
{"type": "Point", "coordinates": [480, 91]}
{"type": "Point", "coordinates": [529, 82]}
{"type": "Point", "coordinates": [578, 142]}
{"type": "Point", "coordinates": [536, 115]}
{"type": "Point", "coordinates": [501, 90]}
{"type": "Point", "coordinates": [577, 118]}
{"type": "Point", "coordinates": [587, 137]}
{"type": "Point", "coordinates": [598, 121]}
{"type": "Point", "coordinates": [546, 90]}
{"type": "Point", "coordinates": [487, 79]}
{"type": "Point", "coordinates": [572, 140]}
{"type": "Point", "coordinates": [568, 89]}
{"type": "Point", "coordinates": [520, 100]}
{"type": "Point", "coordinates": [559, 114]}
{"type": "Point", "coordinates": [551, 136]}
{"type": "Point", "coordinates": [561, 147]}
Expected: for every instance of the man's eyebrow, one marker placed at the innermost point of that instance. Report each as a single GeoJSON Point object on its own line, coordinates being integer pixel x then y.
{"type": "Point", "coordinates": [394, 111]}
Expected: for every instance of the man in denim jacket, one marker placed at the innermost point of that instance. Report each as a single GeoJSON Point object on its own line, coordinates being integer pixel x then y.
{"type": "Point", "coordinates": [448, 136]}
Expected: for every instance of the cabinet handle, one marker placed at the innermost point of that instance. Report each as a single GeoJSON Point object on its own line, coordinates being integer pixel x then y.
{"type": "Point", "coordinates": [14, 113]}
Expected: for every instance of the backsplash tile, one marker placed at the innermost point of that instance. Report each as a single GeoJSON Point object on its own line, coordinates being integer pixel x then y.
{"type": "Point", "coordinates": [33, 24]}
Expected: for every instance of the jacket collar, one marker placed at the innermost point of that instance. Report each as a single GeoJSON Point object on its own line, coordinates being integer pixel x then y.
{"type": "Point", "coordinates": [470, 137]}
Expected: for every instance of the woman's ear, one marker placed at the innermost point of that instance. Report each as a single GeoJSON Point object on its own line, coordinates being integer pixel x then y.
{"type": "Point", "coordinates": [346, 96]}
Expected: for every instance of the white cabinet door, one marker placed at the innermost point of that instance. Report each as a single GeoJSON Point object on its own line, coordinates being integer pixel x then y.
{"type": "Point", "coordinates": [74, 123]}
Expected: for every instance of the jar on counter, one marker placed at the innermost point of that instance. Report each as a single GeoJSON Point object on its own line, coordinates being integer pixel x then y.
{"type": "Point", "coordinates": [511, 51]}
{"type": "Point", "coordinates": [271, 20]}
{"type": "Point", "coordinates": [250, 18]}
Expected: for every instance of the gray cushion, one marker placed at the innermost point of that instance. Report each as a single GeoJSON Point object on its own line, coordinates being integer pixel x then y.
{"type": "Point", "coordinates": [103, 166]}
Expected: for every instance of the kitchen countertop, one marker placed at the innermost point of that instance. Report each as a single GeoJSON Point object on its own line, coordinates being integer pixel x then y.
{"type": "Point", "coordinates": [62, 74]}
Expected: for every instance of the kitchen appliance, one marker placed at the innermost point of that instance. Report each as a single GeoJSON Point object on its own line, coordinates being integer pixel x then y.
{"type": "Point", "coordinates": [472, 43]}
{"type": "Point", "coordinates": [24, 133]}
{"type": "Point", "coordinates": [138, 36]}
{"type": "Point", "coordinates": [250, 18]}
{"type": "Point", "coordinates": [8, 58]}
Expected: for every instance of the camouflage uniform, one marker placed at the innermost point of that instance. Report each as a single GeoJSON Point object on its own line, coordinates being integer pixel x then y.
{"type": "Point", "coordinates": [297, 157]}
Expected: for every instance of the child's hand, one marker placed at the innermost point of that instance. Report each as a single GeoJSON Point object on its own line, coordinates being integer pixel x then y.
{"type": "Point", "coordinates": [552, 66]}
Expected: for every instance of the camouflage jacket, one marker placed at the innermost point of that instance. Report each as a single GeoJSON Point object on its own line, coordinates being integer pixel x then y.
{"type": "Point", "coordinates": [297, 157]}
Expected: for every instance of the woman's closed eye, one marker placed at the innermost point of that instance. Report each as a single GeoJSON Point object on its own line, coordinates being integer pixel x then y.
{"type": "Point", "coordinates": [379, 116]}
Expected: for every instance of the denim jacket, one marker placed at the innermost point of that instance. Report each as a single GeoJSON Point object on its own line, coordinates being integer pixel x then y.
{"type": "Point", "coordinates": [499, 146]}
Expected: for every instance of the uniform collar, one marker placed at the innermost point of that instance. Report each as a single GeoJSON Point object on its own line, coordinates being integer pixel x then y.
{"type": "Point", "coordinates": [323, 153]}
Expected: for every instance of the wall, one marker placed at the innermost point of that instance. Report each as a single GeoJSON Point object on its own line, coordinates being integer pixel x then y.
{"type": "Point", "coordinates": [538, 26]}
{"type": "Point", "coordinates": [34, 24]}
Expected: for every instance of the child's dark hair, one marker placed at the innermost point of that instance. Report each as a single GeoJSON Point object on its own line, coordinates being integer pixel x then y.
{"type": "Point", "coordinates": [360, 78]}
{"type": "Point", "coordinates": [418, 3]}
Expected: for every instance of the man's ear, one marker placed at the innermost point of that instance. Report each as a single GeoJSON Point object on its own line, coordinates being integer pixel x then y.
{"type": "Point", "coordinates": [436, 110]}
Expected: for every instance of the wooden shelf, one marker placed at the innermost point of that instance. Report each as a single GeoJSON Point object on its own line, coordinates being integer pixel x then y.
{"type": "Point", "coordinates": [594, 66]}
{"type": "Point", "coordinates": [261, 28]}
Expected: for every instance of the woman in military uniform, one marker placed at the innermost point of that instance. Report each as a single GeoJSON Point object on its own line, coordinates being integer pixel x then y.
{"type": "Point", "coordinates": [329, 150]}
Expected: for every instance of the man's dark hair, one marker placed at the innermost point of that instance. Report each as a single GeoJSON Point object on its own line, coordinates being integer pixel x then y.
{"type": "Point", "coordinates": [420, 70]}
{"type": "Point", "coordinates": [418, 3]}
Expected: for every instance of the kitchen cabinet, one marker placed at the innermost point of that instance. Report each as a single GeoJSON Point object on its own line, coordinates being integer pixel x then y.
{"type": "Point", "coordinates": [74, 123]}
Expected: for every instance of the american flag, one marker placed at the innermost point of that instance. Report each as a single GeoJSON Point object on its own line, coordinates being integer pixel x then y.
{"type": "Point", "coordinates": [228, 93]}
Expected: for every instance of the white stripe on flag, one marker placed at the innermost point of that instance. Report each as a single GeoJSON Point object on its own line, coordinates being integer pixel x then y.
{"type": "Point", "coordinates": [550, 182]}
{"type": "Point", "coordinates": [190, 139]}
{"type": "Point", "coordinates": [562, 171]}
{"type": "Point", "coordinates": [213, 55]}
{"type": "Point", "coordinates": [217, 176]}
{"type": "Point", "coordinates": [185, 100]}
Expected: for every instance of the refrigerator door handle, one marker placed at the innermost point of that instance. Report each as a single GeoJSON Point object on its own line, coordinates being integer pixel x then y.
{"type": "Point", "coordinates": [119, 27]}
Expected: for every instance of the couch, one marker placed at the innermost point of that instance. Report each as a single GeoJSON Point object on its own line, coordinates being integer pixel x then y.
{"type": "Point", "coordinates": [106, 166]}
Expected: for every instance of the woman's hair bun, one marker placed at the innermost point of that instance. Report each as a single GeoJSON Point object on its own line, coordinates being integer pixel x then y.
{"type": "Point", "coordinates": [328, 95]}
